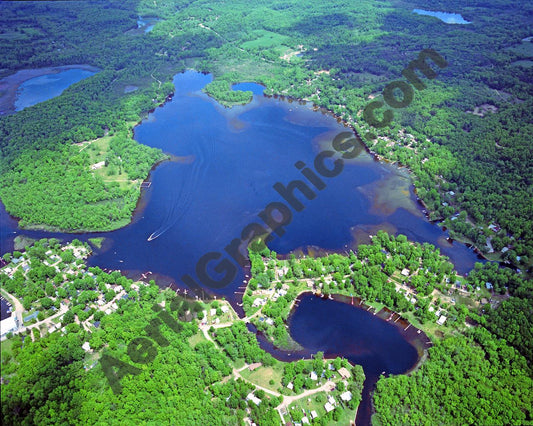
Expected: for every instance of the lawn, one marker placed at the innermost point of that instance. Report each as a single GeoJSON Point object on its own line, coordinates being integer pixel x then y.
{"type": "Point", "coordinates": [196, 338]}
{"type": "Point", "coordinates": [5, 346]}
{"type": "Point", "coordinates": [262, 376]}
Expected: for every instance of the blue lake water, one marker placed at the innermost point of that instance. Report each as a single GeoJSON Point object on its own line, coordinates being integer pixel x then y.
{"type": "Point", "coordinates": [226, 163]}
{"type": "Point", "coordinates": [448, 18]}
{"type": "Point", "coordinates": [48, 86]}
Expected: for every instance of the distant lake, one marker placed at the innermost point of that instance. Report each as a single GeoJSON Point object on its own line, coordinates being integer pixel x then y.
{"type": "Point", "coordinates": [225, 164]}
{"type": "Point", "coordinates": [48, 86]}
{"type": "Point", "coordinates": [449, 18]}
{"type": "Point", "coordinates": [147, 23]}
{"type": "Point", "coordinates": [340, 329]}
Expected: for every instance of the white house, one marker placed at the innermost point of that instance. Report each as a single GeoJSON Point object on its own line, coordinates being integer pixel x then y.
{"type": "Point", "coordinates": [328, 407]}
{"type": "Point", "coordinates": [253, 398]}
{"type": "Point", "coordinates": [346, 396]}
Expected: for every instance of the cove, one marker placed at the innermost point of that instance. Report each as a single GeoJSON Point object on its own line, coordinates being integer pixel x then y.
{"type": "Point", "coordinates": [225, 163]}
{"type": "Point", "coordinates": [340, 329]}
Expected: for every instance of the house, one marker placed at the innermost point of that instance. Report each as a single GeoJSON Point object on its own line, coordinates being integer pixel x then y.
{"type": "Point", "coordinates": [31, 316]}
{"type": "Point", "coordinates": [224, 309]}
{"type": "Point", "coordinates": [212, 312]}
{"type": "Point", "coordinates": [290, 386]}
{"type": "Point", "coordinates": [98, 165]}
{"type": "Point", "coordinates": [259, 302]}
{"type": "Point", "coordinates": [253, 398]}
{"type": "Point", "coordinates": [314, 376]}
{"type": "Point", "coordinates": [314, 415]}
{"type": "Point", "coordinates": [345, 374]}
{"type": "Point", "coordinates": [346, 396]}
{"type": "Point", "coordinates": [494, 228]}
{"type": "Point", "coordinates": [405, 272]}
{"type": "Point", "coordinates": [255, 365]}
{"type": "Point", "coordinates": [328, 407]}
{"type": "Point", "coordinates": [86, 347]}
{"type": "Point", "coordinates": [305, 420]}
{"type": "Point", "coordinates": [331, 400]}
{"type": "Point", "coordinates": [441, 320]}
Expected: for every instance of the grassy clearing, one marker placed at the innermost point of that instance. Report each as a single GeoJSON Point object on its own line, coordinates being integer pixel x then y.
{"type": "Point", "coordinates": [98, 151]}
{"type": "Point", "coordinates": [312, 403]}
{"type": "Point", "coordinates": [5, 347]}
{"type": "Point", "coordinates": [263, 375]}
{"type": "Point", "coordinates": [264, 40]}
{"type": "Point", "coordinates": [196, 339]}
{"type": "Point", "coordinates": [238, 363]}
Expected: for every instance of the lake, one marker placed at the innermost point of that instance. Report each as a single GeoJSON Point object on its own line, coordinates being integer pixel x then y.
{"type": "Point", "coordinates": [41, 84]}
{"type": "Point", "coordinates": [448, 18]}
{"type": "Point", "coordinates": [226, 162]}
{"type": "Point", "coordinates": [48, 86]}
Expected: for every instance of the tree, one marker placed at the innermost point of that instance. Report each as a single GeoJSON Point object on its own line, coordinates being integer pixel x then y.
{"type": "Point", "coordinates": [68, 318]}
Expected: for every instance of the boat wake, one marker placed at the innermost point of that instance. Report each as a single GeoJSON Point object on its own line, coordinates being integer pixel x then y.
{"type": "Point", "coordinates": [184, 196]}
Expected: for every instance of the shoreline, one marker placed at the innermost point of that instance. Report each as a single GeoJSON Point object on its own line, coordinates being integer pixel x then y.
{"type": "Point", "coordinates": [9, 85]}
{"type": "Point", "coordinates": [414, 336]}
{"type": "Point", "coordinates": [376, 157]}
